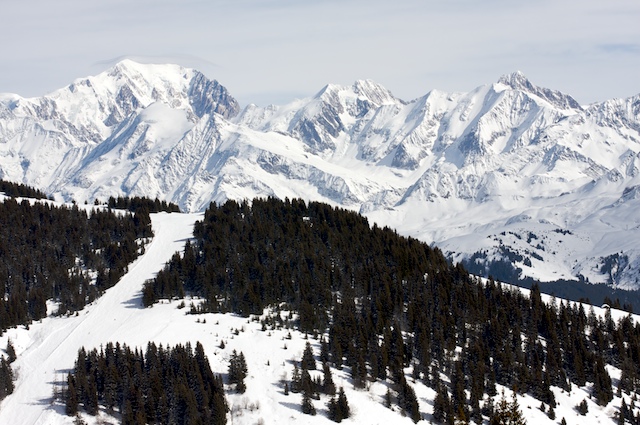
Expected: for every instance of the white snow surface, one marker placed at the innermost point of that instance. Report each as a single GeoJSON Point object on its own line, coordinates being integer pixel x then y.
{"type": "Point", "coordinates": [454, 169]}
{"type": "Point", "coordinates": [47, 350]}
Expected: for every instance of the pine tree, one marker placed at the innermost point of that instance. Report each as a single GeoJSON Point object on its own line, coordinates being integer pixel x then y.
{"type": "Point", "coordinates": [332, 407]}
{"type": "Point", "coordinates": [307, 405]}
{"type": "Point", "coordinates": [442, 409]}
{"type": "Point", "coordinates": [339, 407]}
{"type": "Point", "coordinates": [308, 362]}
{"type": "Point", "coordinates": [296, 379]}
{"type": "Point", "coordinates": [238, 371]}
{"type": "Point", "coordinates": [6, 378]}
{"type": "Point", "coordinates": [328, 387]}
{"type": "Point", "coordinates": [71, 400]}
{"type": "Point", "coordinates": [551, 413]}
{"type": "Point", "coordinates": [515, 414]}
{"type": "Point", "coordinates": [343, 405]}
{"type": "Point", "coordinates": [507, 413]}
{"type": "Point", "coordinates": [11, 351]}
{"type": "Point", "coordinates": [583, 408]}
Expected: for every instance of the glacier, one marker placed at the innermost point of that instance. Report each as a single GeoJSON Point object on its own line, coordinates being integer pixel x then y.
{"type": "Point", "coordinates": [507, 171]}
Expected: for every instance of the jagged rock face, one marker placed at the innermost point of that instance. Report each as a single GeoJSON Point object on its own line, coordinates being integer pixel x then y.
{"type": "Point", "coordinates": [508, 170]}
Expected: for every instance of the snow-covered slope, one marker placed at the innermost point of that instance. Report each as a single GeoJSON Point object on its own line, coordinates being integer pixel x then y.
{"type": "Point", "coordinates": [508, 170]}
{"type": "Point", "coordinates": [47, 350]}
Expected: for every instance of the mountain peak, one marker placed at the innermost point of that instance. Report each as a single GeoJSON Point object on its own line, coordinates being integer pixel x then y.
{"type": "Point", "coordinates": [374, 92]}
{"type": "Point", "coordinates": [518, 81]}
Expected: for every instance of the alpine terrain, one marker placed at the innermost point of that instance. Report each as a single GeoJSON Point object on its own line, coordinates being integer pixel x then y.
{"type": "Point", "coordinates": [509, 173]}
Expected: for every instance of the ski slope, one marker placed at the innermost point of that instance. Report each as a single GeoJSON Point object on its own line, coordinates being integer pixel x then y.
{"type": "Point", "coordinates": [47, 351]}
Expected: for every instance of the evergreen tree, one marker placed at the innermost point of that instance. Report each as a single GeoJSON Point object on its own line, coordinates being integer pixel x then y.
{"type": "Point", "coordinates": [551, 413]}
{"type": "Point", "coordinates": [339, 407]}
{"type": "Point", "coordinates": [442, 408]}
{"type": "Point", "coordinates": [328, 387]}
{"type": "Point", "coordinates": [296, 379]}
{"type": "Point", "coordinates": [71, 399]}
{"type": "Point", "coordinates": [307, 405]}
{"type": "Point", "coordinates": [343, 405]}
{"type": "Point", "coordinates": [6, 378]}
{"type": "Point", "coordinates": [308, 362]}
{"type": "Point", "coordinates": [583, 408]}
{"type": "Point", "coordinates": [11, 351]}
{"type": "Point", "coordinates": [238, 371]}
{"type": "Point", "coordinates": [507, 413]}
{"type": "Point", "coordinates": [515, 414]}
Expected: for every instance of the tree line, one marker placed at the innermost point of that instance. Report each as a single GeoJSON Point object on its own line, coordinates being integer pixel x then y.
{"type": "Point", "coordinates": [162, 385]}
{"type": "Point", "coordinates": [388, 303]}
{"type": "Point", "coordinates": [140, 204]}
{"type": "Point", "coordinates": [15, 190]}
{"type": "Point", "coordinates": [61, 253]}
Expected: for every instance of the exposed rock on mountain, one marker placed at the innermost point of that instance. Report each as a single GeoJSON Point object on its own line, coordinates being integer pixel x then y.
{"type": "Point", "coordinates": [507, 171]}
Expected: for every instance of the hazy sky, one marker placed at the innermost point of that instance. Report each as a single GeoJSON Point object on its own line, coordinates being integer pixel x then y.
{"type": "Point", "coordinates": [272, 51]}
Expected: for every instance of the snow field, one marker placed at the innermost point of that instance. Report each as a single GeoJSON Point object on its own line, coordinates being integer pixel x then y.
{"type": "Point", "coordinates": [48, 349]}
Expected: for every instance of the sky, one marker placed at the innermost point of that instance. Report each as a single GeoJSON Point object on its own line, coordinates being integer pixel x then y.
{"type": "Point", "coordinates": [274, 51]}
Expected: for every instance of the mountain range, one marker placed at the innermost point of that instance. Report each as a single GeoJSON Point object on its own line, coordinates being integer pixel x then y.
{"type": "Point", "coordinates": [509, 172]}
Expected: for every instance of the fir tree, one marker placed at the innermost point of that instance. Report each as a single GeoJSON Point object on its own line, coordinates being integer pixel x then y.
{"type": "Point", "coordinates": [442, 409]}
{"type": "Point", "coordinates": [6, 378]}
{"type": "Point", "coordinates": [307, 405]}
{"type": "Point", "coordinates": [71, 399]}
{"type": "Point", "coordinates": [339, 407]}
{"type": "Point", "coordinates": [507, 413]}
{"type": "Point", "coordinates": [343, 405]}
{"type": "Point", "coordinates": [308, 362]}
{"type": "Point", "coordinates": [11, 351]}
{"type": "Point", "coordinates": [296, 379]}
{"type": "Point", "coordinates": [238, 371]}
{"type": "Point", "coordinates": [583, 408]}
{"type": "Point", "coordinates": [328, 387]}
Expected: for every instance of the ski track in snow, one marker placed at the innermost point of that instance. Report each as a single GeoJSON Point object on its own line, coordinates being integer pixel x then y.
{"type": "Point", "coordinates": [47, 351]}
{"type": "Point", "coordinates": [53, 345]}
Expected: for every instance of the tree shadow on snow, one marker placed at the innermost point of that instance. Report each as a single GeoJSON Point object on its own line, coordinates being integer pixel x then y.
{"type": "Point", "coordinates": [135, 302]}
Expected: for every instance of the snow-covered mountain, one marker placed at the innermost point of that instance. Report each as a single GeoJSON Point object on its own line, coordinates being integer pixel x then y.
{"type": "Point", "coordinates": [508, 170]}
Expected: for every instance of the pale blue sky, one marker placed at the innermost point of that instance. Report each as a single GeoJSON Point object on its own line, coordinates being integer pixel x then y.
{"type": "Point", "coordinates": [273, 51]}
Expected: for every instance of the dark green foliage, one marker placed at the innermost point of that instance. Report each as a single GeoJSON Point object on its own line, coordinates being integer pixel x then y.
{"type": "Point", "coordinates": [308, 361]}
{"type": "Point", "coordinates": [442, 408]}
{"type": "Point", "coordinates": [551, 413]}
{"type": "Point", "coordinates": [161, 385]}
{"type": "Point", "coordinates": [602, 383]}
{"type": "Point", "coordinates": [583, 408]}
{"type": "Point", "coordinates": [71, 396]}
{"type": "Point", "coordinates": [15, 190]}
{"type": "Point", "coordinates": [307, 405]}
{"type": "Point", "coordinates": [6, 378]}
{"type": "Point", "coordinates": [388, 303]}
{"type": "Point", "coordinates": [137, 204]}
{"type": "Point", "coordinates": [48, 252]}
{"type": "Point", "coordinates": [296, 379]}
{"type": "Point", "coordinates": [507, 413]}
{"type": "Point", "coordinates": [328, 387]}
{"type": "Point", "coordinates": [238, 371]}
{"type": "Point", "coordinates": [339, 407]}
{"type": "Point", "coordinates": [11, 351]}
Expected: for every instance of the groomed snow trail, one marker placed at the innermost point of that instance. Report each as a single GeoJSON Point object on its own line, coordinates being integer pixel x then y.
{"type": "Point", "coordinates": [48, 350]}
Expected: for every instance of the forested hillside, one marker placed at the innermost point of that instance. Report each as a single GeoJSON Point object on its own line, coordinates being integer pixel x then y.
{"type": "Point", "coordinates": [161, 385]}
{"type": "Point", "coordinates": [392, 308]}
{"type": "Point", "coordinates": [65, 254]}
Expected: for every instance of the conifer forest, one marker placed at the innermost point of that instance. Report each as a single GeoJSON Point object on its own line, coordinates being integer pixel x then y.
{"type": "Point", "coordinates": [382, 307]}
